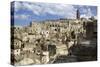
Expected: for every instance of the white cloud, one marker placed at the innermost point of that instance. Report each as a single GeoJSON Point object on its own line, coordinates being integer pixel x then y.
{"type": "Point", "coordinates": [17, 6]}
{"type": "Point", "coordinates": [87, 13]}
{"type": "Point", "coordinates": [61, 10]}
{"type": "Point", "coordinates": [22, 16]}
{"type": "Point", "coordinates": [67, 11]}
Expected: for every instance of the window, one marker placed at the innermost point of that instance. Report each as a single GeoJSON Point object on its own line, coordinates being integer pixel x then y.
{"type": "Point", "coordinates": [17, 50]}
{"type": "Point", "coordinates": [55, 29]}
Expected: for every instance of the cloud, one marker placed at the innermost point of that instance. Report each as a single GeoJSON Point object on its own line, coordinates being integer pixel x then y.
{"type": "Point", "coordinates": [67, 11]}
{"type": "Point", "coordinates": [86, 13]}
{"type": "Point", "coordinates": [22, 16]}
{"type": "Point", "coordinates": [63, 10]}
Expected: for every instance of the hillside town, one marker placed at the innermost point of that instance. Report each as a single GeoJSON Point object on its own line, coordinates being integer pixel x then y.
{"type": "Point", "coordinates": [54, 41]}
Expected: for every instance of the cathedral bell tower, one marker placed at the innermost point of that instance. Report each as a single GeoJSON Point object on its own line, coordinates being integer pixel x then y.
{"type": "Point", "coordinates": [77, 14]}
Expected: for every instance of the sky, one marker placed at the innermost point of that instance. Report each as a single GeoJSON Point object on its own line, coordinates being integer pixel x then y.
{"type": "Point", "coordinates": [26, 12]}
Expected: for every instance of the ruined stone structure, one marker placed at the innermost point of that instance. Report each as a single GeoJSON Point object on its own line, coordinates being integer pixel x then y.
{"type": "Point", "coordinates": [42, 42]}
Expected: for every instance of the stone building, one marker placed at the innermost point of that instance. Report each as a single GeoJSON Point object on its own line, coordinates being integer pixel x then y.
{"type": "Point", "coordinates": [42, 41]}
